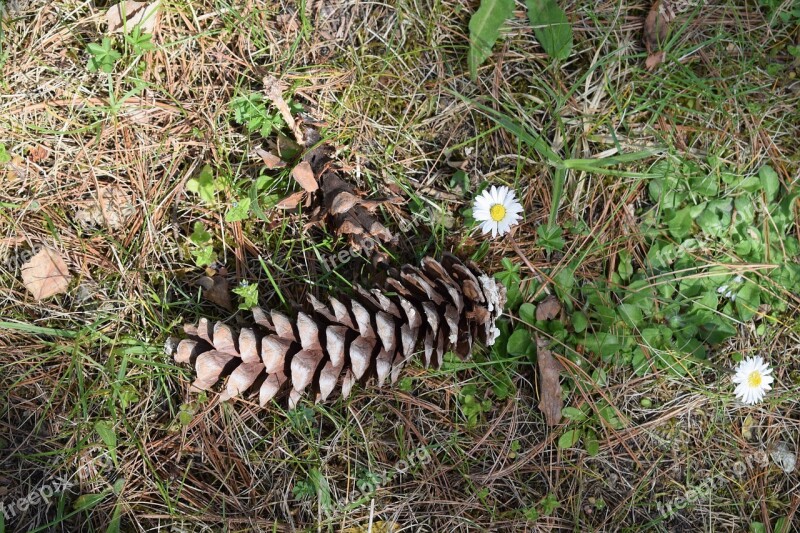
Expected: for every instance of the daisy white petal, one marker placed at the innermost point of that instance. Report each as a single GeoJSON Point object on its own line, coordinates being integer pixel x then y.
{"type": "Point", "coordinates": [753, 380]}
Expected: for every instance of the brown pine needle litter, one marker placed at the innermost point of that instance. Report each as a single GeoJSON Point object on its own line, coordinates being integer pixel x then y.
{"type": "Point", "coordinates": [140, 170]}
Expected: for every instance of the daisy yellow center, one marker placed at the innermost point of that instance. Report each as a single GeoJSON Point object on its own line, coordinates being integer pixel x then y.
{"type": "Point", "coordinates": [755, 379]}
{"type": "Point", "coordinates": [497, 212]}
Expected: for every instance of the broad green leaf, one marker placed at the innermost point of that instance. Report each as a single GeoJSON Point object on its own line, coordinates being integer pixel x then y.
{"type": "Point", "coordinates": [238, 211]}
{"type": "Point", "coordinates": [203, 184]}
{"type": "Point", "coordinates": [579, 322]}
{"type": "Point", "coordinates": [527, 313]}
{"type": "Point", "coordinates": [519, 342]}
{"type": "Point", "coordinates": [109, 437]}
{"type": "Point", "coordinates": [747, 300]}
{"type": "Point", "coordinates": [87, 501]}
{"type": "Point", "coordinates": [574, 414]}
{"type": "Point", "coordinates": [769, 182]}
{"type": "Point", "coordinates": [551, 27]}
{"type": "Point", "coordinates": [484, 30]}
{"type": "Point", "coordinates": [569, 438]}
{"type": "Point", "coordinates": [681, 223]}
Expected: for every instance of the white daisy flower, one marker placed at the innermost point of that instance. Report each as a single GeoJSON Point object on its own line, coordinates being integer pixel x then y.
{"type": "Point", "coordinates": [497, 209]}
{"type": "Point", "coordinates": [753, 379]}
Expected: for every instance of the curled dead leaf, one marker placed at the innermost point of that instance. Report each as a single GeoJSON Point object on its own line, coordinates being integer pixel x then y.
{"type": "Point", "coordinates": [46, 274]}
{"type": "Point", "coordinates": [550, 401]}
{"type": "Point", "coordinates": [274, 92]}
{"type": "Point", "coordinates": [215, 289]}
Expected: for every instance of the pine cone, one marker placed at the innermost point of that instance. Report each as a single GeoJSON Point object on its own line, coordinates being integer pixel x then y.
{"type": "Point", "coordinates": [439, 307]}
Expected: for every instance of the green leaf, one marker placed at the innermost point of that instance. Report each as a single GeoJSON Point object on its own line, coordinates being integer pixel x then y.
{"type": "Point", "coordinates": [203, 184]}
{"type": "Point", "coordinates": [747, 301]}
{"type": "Point", "coordinates": [625, 267]}
{"type": "Point", "coordinates": [551, 27]}
{"type": "Point", "coordinates": [484, 30]}
{"type": "Point", "coordinates": [574, 414]}
{"type": "Point", "coordinates": [757, 527]}
{"type": "Point", "coordinates": [238, 211]}
{"type": "Point", "coordinates": [681, 223]}
{"type": "Point", "coordinates": [569, 439]}
{"type": "Point", "coordinates": [4, 157]}
{"type": "Point", "coordinates": [591, 443]}
{"type": "Point", "coordinates": [550, 238]}
{"type": "Point", "coordinates": [87, 501]}
{"type": "Point", "coordinates": [770, 182]}
{"type": "Point", "coordinates": [248, 292]}
{"type": "Point", "coordinates": [579, 322]}
{"type": "Point", "coordinates": [199, 235]}
{"type": "Point", "coordinates": [519, 342]}
{"type": "Point", "coordinates": [109, 437]}
{"type": "Point", "coordinates": [527, 313]}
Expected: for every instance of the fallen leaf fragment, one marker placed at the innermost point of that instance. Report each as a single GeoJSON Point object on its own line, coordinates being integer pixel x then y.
{"type": "Point", "coordinates": [215, 289]}
{"type": "Point", "coordinates": [38, 153]}
{"type": "Point", "coordinates": [549, 308]}
{"type": "Point", "coordinates": [112, 208]}
{"type": "Point", "coordinates": [271, 161]}
{"type": "Point", "coordinates": [46, 274]}
{"type": "Point", "coordinates": [291, 201]}
{"type": "Point", "coordinates": [124, 16]}
{"type": "Point", "coordinates": [550, 403]}
{"type": "Point", "coordinates": [274, 92]}
{"type": "Point", "coordinates": [656, 31]}
{"type": "Point", "coordinates": [784, 457]}
{"type": "Point", "coordinates": [304, 175]}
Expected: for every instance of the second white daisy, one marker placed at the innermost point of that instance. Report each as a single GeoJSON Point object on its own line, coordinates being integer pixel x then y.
{"type": "Point", "coordinates": [497, 209]}
{"type": "Point", "coordinates": [753, 380]}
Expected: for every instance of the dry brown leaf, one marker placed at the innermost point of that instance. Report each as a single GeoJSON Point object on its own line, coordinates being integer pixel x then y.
{"type": "Point", "coordinates": [46, 274]}
{"type": "Point", "coordinates": [549, 308]}
{"type": "Point", "coordinates": [271, 161]}
{"type": "Point", "coordinates": [112, 208]}
{"type": "Point", "coordinates": [17, 168]}
{"type": "Point", "coordinates": [274, 91]}
{"type": "Point", "coordinates": [550, 402]}
{"type": "Point", "coordinates": [654, 60]}
{"type": "Point", "coordinates": [38, 153]}
{"type": "Point", "coordinates": [303, 174]}
{"type": "Point", "coordinates": [343, 202]}
{"type": "Point", "coordinates": [215, 289]}
{"type": "Point", "coordinates": [291, 201]}
{"type": "Point", "coordinates": [374, 527]}
{"type": "Point", "coordinates": [122, 17]}
{"type": "Point", "coordinates": [656, 31]}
